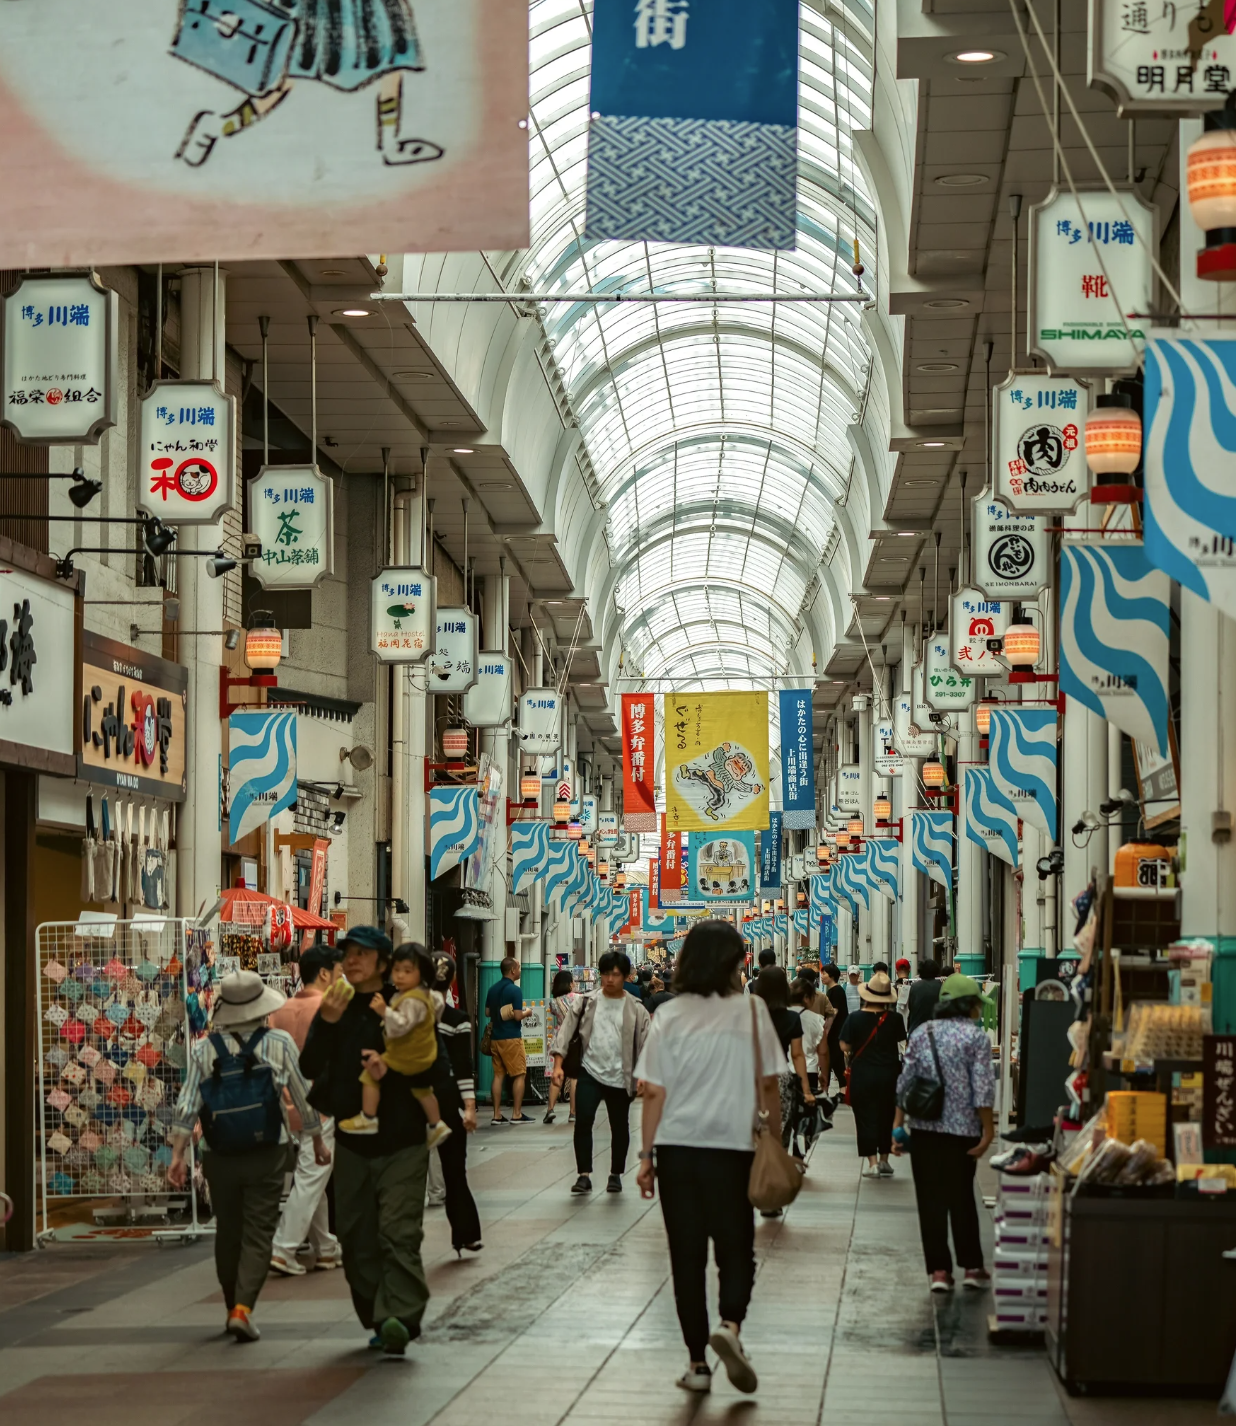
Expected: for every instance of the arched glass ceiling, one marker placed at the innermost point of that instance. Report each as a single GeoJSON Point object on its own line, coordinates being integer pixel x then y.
{"type": "Point", "coordinates": [718, 433]}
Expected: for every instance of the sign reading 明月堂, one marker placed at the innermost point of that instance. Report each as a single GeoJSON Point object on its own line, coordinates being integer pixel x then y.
{"type": "Point", "coordinates": [402, 614]}
{"type": "Point", "coordinates": [1166, 59]}
{"type": "Point", "coordinates": [974, 621]}
{"type": "Point", "coordinates": [59, 360]}
{"type": "Point", "coordinates": [292, 513]}
{"type": "Point", "coordinates": [1010, 559]}
{"type": "Point", "coordinates": [131, 733]}
{"type": "Point", "coordinates": [487, 704]}
{"type": "Point", "coordinates": [1089, 267]}
{"type": "Point", "coordinates": [452, 665]}
{"type": "Point", "coordinates": [188, 452]}
{"type": "Point", "coordinates": [1036, 438]}
{"type": "Point", "coordinates": [945, 689]}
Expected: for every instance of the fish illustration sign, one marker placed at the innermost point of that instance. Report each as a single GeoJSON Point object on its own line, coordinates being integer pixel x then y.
{"type": "Point", "coordinates": [216, 129]}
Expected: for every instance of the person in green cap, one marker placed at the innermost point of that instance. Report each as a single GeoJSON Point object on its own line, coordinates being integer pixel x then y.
{"type": "Point", "coordinates": [954, 1048]}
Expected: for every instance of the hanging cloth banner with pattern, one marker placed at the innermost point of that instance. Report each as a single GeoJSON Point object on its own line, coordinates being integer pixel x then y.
{"type": "Point", "coordinates": [671, 878]}
{"type": "Point", "coordinates": [716, 761]}
{"type": "Point", "coordinates": [797, 759]}
{"type": "Point", "coordinates": [884, 866]}
{"type": "Point", "coordinates": [770, 854]}
{"type": "Point", "coordinates": [529, 852]}
{"type": "Point", "coordinates": [558, 869]}
{"type": "Point", "coordinates": [1190, 441]}
{"type": "Point", "coordinates": [990, 821]}
{"type": "Point", "coordinates": [693, 136]}
{"type": "Point", "coordinates": [1021, 753]}
{"type": "Point", "coordinates": [454, 827]}
{"type": "Point", "coordinates": [639, 807]}
{"type": "Point", "coordinates": [1115, 628]}
{"type": "Point", "coordinates": [851, 876]}
{"type": "Point", "coordinates": [801, 923]}
{"type": "Point", "coordinates": [261, 769]}
{"type": "Point", "coordinates": [933, 845]}
{"type": "Point", "coordinates": [820, 894]}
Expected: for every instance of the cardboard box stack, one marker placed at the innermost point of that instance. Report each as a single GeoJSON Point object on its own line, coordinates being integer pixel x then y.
{"type": "Point", "coordinates": [1138, 1114]}
{"type": "Point", "coordinates": [1019, 1268]}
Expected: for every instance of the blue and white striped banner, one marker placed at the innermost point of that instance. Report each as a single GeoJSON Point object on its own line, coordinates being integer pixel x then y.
{"type": "Point", "coordinates": [851, 874]}
{"type": "Point", "coordinates": [991, 821]}
{"type": "Point", "coordinates": [820, 892]}
{"type": "Point", "coordinates": [933, 845]}
{"type": "Point", "coordinates": [261, 769]}
{"type": "Point", "coordinates": [1115, 628]}
{"type": "Point", "coordinates": [781, 923]}
{"type": "Point", "coordinates": [884, 866]}
{"type": "Point", "coordinates": [529, 852]}
{"type": "Point", "coordinates": [559, 869]}
{"type": "Point", "coordinates": [801, 920]}
{"type": "Point", "coordinates": [454, 827]}
{"type": "Point", "coordinates": [1190, 441]}
{"type": "Point", "coordinates": [1022, 758]}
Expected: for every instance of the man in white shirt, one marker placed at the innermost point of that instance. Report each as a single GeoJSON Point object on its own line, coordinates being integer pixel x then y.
{"type": "Point", "coordinates": [852, 998]}
{"type": "Point", "coordinates": [612, 1027]}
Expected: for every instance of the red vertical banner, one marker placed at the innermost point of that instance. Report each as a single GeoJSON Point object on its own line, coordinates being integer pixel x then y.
{"type": "Point", "coordinates": [654, 884]}
{"type": "Point", "coordinates": [639, 808]}
{"type": "Point", "coordinates": [635, 900]}
{"type": "Point", "coordinates": [671, 864]}
{"type": "Point", "coordinates": [317, 884]}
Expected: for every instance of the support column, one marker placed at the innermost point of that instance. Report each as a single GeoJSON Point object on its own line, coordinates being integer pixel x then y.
{"type": "Point", "coordinates": [882, 945]}
{"type": "Point", "coordinates": [1085, 787]}
{"type": "Point", "coordinates": [1115, 748]}
{"type": "Point", "coordinates": [905, 798]}
{"type": "Point", "coordinates": [198, 843]}
{"type": "Point", "coordinates": [971, 871]}
{"type": "Point", "coordinates": [495, 602]}
{"type": "Point", "coordinates": [1031, 945]}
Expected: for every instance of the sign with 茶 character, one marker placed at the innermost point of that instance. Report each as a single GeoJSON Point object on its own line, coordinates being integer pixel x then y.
{"type": "Point", "coordinates": [188, 452]}
{"type": "Point", "coordinates": [292, 513]}
{"type": "Point", "coordinates": [402, 615]}
{"type": "Point", "coordinates": [59, 360]}
{"type": "Point", "coordinates": [131, 729]}
{"type": "Point", "coordinates": [1038, 460]}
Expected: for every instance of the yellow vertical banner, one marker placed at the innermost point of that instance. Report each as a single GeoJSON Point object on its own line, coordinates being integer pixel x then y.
{"type": "Point", "coordinates": [716, 761]}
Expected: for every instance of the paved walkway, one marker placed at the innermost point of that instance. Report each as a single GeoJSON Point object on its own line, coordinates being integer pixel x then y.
{"type": "Point", "coordinates": [567, 1316]}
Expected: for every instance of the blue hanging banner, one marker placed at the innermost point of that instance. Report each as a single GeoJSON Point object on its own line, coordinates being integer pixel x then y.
{"type": "Point", "coordinates": [529, 852]}
{"type": "Point", "coordinates": [694, 130]}
{"type": "Point", "coordinates": [721, 866]}
{"type": "Point", "coordinates": [991, 820]}
{"type": "Point", "coordinates": [1021, 754]}
{"type": "Point", "coordinates": [454, 827]}
{"type": "Point", "coordinates": [797, 758]}
{"type": "Point", "coordinates": [933, 845]}
{"type": "Point", "coordinates": [770, 854]}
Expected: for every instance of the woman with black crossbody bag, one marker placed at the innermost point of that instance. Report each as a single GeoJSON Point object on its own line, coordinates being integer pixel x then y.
{"type": "Point", "coordinates": [871, 1042]}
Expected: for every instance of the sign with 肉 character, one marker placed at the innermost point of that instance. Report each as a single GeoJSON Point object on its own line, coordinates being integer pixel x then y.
{"type": "Point", "coordinates": [1169, 60]}
{"type": "Point", "coordinates": [487, 704]}
{"type": "Point", "coordinates": [187, 433]}
{"type": "Point", "coordinates": [974, 621]}
{"type": "Point", "coordinates": [452, 665]}
{"type": "Point", "coordinates": [402, 615]}
{"type": "Point", "coordinates": [1089, 266]}
{"type": "Point", "coordinates": [1038, 462]}
{"type": "Point", "coordinates": [292, 513]}
{"type": "Point", "coordinates": [60, 339]}
{"type": "Point", "coordinates": [1010, 559]}
{"type": "Point", "coordinates": [945, 688]}
{"type": "Point", "coordinates": [797, 758]}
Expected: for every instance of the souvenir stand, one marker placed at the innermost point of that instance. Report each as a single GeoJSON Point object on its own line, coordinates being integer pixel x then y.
{"type": "Point", "coordinates": [262, 934]}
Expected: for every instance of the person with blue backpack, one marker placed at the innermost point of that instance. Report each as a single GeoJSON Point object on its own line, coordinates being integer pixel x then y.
{"type": "Point", "coordinates": [234, 1085]}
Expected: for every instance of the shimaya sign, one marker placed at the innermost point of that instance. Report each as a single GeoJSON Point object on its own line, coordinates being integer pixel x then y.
{"type": "Point", "coordinates": [292, 513]}
{"type": "Point", "coordinates": [1038, 462]}
{"type": "Point", "coordinates": [59, 360]}
{"type": "Point", "coordinates": [188, 443]}
{"type": "Point", "coordinates": [402, 614]}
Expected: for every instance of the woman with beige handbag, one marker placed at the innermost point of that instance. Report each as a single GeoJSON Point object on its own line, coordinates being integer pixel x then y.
{"type": "Point", "coordinates": [709, 1076]}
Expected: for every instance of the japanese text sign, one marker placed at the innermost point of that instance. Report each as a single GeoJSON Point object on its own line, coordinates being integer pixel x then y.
{"type": "Point", "coordinates": [37, 623]}
{"type": "Point", "coordinates": [1168, 59]}
{"type": "Point", "coordinates": [402, 615]}
{"type": "Point", "coordinates": [540, 719]}
{"type": "Point", "coordinates": [1010, 559]}
{"type": "Point", "coordinates": [1219, 1091]}
{"type": "Point", "coordinates": [131, 729]}
{"type": "Point", "coordinates": [944, 687]}
{"type": "Point", "coordinates": [487, 704]}
{"type": "Point", "coordinates": [770, 854]}
{"type": "Point", "coordinates": [452, 665]}
{"type": "Point", "coordinates": [887, 760]}
{"type": "Point", "coordinates": [797, 758]}
{"type": "Point", "coordinates": [1038, 459]}
{"type": "Point", "coordinates": [607, 829]}
{"type": "Point", "coordinates": [639, 808]}
{"type": "Point", "coordinates": [188, 444]}
{"type": "Point", "coordinates": [716, 761]}
{"type": "Point", "coordinates": [59, 360]}
{"type": "Point", "coordinates": [292, 512]}
{"type": "Point", "coordinates": [671, 871]}
{"type": "Point", "coordinates": [914, 739]}
{"type": "Point", "coordinates": [975, 620]}
{"type": "Point", "coordinates": [849, 781]}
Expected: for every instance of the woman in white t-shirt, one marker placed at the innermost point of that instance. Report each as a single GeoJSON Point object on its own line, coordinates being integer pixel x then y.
{"type": "Point", "coordinates": [699, 1071]}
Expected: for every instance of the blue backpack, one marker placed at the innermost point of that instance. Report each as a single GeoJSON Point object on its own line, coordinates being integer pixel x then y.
{"type": "Point", "coordinates": [242, 1108]}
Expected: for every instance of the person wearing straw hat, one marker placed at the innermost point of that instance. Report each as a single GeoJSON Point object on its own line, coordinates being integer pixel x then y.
{"type": "Point", "coordinates": [871, 1044]}
{"type": "Point", "coordinates": [246, 1184]}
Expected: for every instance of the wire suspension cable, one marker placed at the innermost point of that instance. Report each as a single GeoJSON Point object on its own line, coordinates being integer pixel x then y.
{"type": "Point", "coordinates": [613, 298]}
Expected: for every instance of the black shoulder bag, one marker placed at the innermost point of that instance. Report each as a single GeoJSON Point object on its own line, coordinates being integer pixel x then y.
{"type": "Point", "coordinates": [573, 1060]}
{"type": "Point", "coordinates": [924, 1098]}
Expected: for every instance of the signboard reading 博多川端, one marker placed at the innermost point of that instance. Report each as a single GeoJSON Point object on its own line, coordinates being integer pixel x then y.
{"type": "Point", "coordinates": [185, 471]}
{"type": "Point", "coordinates": [1036, 436]}
{"type": "Point", "coordinates": [402, 614]}
{"type": "Point", "coordinates": [292, 514]}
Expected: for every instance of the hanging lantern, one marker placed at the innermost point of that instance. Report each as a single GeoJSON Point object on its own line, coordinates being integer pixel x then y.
{"type": "Point", "coordinates": [882, 808]}
{"type": "Point", "coordinates": [620, 881]}
{"type": "Point", "coordinates": [530, 787]}
{"type": "Point", "coordinates": [855, 826]}
{"type": "Point", "coordinates": [934, 774]}
{"type": "Point", "coordinates": [455, 742]}
{"type": "Point", "coordinates": [575, 831]}
{"type": "Point", "coordinates": [982, 718]}
{"type": "Point", "coordinates": [1113, 436]}
{"type": "Point", "coordinates": [263, 649]}
{"type": "Point", "coordinates": [823, 852]}
{"type": "Point", "coordinates": [1021, 645]}
{"type": "Point", "coordinates": [1210, 176]}
{"type": "Point", "coordinates": [843, 839]}
{"type": "Point", "coordinates": [562, 813]}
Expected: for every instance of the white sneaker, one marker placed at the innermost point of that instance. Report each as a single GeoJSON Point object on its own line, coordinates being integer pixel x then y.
{"type": "Point", "coordinates": [242, 1326]}
{"type": "Point", "coordinates": [696, 1379]}
{"type": "Point", "coordinates": [741, 1373]}
{"type": "Point", "coordinates": [328, 1261]}
{"type": "Point", "coordinates": [289, 1267]}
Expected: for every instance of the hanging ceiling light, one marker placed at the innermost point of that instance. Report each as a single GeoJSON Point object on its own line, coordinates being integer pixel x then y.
{"type": "Point", "coordinates": [1210, 176]}
{"type": "Point", "coordinates": [843, 839]}
{"type": "Point", "coordinates": [823, 852]}
{"type": "Point", "coordinates": [530, 787]}
{"type": "Point", "coordinates": [882, 808]}
{"type": "Point", "coordinates": [934, 774]}
{"type": "Point", "coordinates": [562, 812]}
{"type": "Point", "coordinates": [1114, 435]}
{"type": "Point", "coordinates": [574, 831]}
{"type": "Point", "coordinates": [1021, 646]}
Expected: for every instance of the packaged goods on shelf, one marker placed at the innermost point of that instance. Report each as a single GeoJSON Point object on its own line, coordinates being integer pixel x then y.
{"type": "Point", "coordinates": [1020, 1314]}
{"type": "Point", "coordinates": [1028, 1264]}
{"type": "Point", "coordinates": [1018, 1237]}
{"type": "Point", "coordinates": [1165, 1032]}
{"type": "Point", "coordinates": [1138, 1114]}
{"type": "Point", "coordinates": [1017, 1290]}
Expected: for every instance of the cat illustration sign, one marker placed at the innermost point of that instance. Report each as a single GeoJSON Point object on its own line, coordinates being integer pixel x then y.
{"type": "Point", "coordinates": [187, 452]}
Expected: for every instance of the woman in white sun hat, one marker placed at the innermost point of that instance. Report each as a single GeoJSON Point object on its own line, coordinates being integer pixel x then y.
{"type": "Point", "coordinates": [871, 1042]}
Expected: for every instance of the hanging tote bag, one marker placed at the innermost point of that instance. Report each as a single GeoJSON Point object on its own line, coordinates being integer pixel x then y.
{"type": "Point", "coordinates": [775, 1178]}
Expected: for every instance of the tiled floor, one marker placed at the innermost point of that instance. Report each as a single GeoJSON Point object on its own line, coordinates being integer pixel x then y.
{"type": "Point", "coordinates": [566, 1317]}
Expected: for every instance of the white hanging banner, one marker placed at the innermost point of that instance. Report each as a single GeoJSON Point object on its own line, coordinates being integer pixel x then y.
{"type": "Point", "coordinates": [946, 690]}
{"type": "Point", "coordinates": [59, 360]}
{"type": "Point", "coordinates": [1038, 460]}
{"type": "Point", "coordinates": [1142, 56]}
{"type": "Point", "coordinates": [588, 815]}
{"type": "Point", "coordinates": [401, 614]}
{"type": "Point", "coordinates": [848, 783]}
{"type": "Point", "coordinates": [1010, 552]}
{"type": "Point", "coordinates": [607, 829]}
{"type": "Point", "coordinates": [1089, 265]}
{"type": "Point", "coordinates": [292, 513]}
{"type": "Point", "coordinates": [540, 720]}
{"type": "Point", "coordinates": [487, 704]}
{"type": "Point", "coordinates": [887, 758]}
{"type": "Point", "coordinates": [186, 469]}
{"type": "Point", "coordinates": [973, 620]}
{"type": "Point", "coordinates": [452, 665]}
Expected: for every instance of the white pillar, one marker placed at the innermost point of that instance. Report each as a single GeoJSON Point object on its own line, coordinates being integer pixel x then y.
{"type": "Point", "coordinates": [971, 859]}
{"type": "Point", "coordinates": [882, 948]}
{"type": "Point", "coordinates": [1085, 787]}
{"type": "Point", "coordinates": [1115, 749]}
{"type": "Point", "coordinates": [495, 596]}
{"type": "Point", "coordinates": [198, 860]}
{"type": "Point", "coordinates": [905, 798]}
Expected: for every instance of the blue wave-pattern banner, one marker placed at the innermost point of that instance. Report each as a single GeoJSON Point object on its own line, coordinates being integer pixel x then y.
{"type": "Point", "coordinates": [1115, 629]}
{"type": "Point", "coordinates": [1022, 757]}
{"type": "Point", "coordinates": [529, 851]}
{"type": "Point", "coordinates": [559, 869]}
{"type": "Point", "coordinates": [781, 923]}
{"type": "Point", "coordinates": [933, 845]}
{"type": "Point", "coordinates": [990, 821]}
{"type": "Point", "coordinates": [820, 893]}
{"type": "Point", "coordinates": [851, 875]}
{"type": "Point", "coordinates": [801, 921]}
{"type": "Point", "coordinates": [1189, 446]}
{"type": "Point", "coordinates": [261, 769]}
{"type": "Point", "coordinates": [884, 866]}
{"type": "Point", "coordinates": [454, 827]}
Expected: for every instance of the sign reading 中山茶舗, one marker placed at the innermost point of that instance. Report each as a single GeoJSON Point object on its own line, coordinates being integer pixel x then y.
{"type": "Point", "coordinates": [185, 474]}
{"type": "Point", "coordinates": [1036, 435]}
{"type": "Point", "coordinates": [292, 513]}
{"type": "Point", "coordinates": [487, 704]}
{"type": "Point", "coordinates": [974, 620]}
{"type": "Point", "coordinates": [540, 722]}
{"type": "Point", "coordinates": [1165, 59]}
{"type": "Point", "coordinates": [402, 614]}
{"type": "Point", "coordinates": [1089, 266]}
{"type": "Point", "coordinates": [37, 628]}
{"type": "Point", "coordinates": [946, 690]}
{"type": "Point", "coordinates": [131, 733]}
{"type": "Point", "coordinates": [1010, 558]}
{"type": "Point", "coordinates": [59, 360]}
{"type": "Point", "coordinates": [452, 665]}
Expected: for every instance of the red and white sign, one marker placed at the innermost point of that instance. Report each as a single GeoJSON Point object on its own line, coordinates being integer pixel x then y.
{"type": "Point", "coordinates": [185, 470]}
{"type": "Point", "coordinates": [654, 884]}
{"type": "Point", "coordinates": [317, 884]}
{"type": "Point", "coordinates": [670, 877]}
{"type": "Point", "coordinates": [639, 808]}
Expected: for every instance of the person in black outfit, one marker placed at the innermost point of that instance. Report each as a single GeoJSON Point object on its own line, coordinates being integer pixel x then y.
{"type": "Point", "coordinates": [773, 988]}
{"type": "Point", "coordinates": [836, 997]}
{"type": "Point", "coordinates": [924, 996]}
{"type": "Point", "coordinates": [871, 1044]}
{"type": "Point", "coordinates": [458, 1106]}
{"type": "Point", "coordinates": [660, 996]}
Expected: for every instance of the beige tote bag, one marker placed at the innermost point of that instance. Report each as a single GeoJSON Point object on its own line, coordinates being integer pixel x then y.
{"type": "Point", "coordinates": [775, 1177]}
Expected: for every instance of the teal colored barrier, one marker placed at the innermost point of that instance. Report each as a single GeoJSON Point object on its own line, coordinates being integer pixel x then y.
{"type": "Point", "coordinates": [1025, 966]}
{"type": "Point", "coordinates": [489, 973]}
{"type": "Point", "coordinates": [972, 965]}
